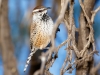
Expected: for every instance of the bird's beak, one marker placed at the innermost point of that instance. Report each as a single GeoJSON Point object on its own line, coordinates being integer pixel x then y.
{"type": "Point", "coordinates": [48, 7]}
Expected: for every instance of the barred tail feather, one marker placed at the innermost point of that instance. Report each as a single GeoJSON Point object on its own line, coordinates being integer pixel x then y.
{"type": "Point", "coordinates": [29, 58]}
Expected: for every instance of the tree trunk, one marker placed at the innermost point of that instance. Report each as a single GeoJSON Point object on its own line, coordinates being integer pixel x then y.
{"type": "Point", "coordinates": [83, 33]}
{"type": "Point", "coordinates": [7, 50]}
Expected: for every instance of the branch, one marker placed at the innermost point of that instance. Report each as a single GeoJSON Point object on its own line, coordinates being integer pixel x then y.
{"type": "Point", "coordinates": [94, 13]}
{"type": "Point", "coordinates": [64, 4]}
{"type": "Point", "coordinates": [0, 3]}
{"type": "Point", "coordinates": [90, 22]}
{"type": "Point", "coordinates": [95, 69]}
{"type": "Point", "coordinates": [69, 22]}
{"type": "Point", "coordinates": [83, 8]}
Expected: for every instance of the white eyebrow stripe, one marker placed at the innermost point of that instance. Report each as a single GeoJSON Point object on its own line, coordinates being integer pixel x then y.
{"type": "Point", "coordinates": [38, 10]}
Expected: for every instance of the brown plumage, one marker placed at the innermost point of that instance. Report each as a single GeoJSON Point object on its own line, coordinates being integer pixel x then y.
{"type": "Point", "coordinates": [40, 31]}
{"type": "Point", "coordinates": [38, 7]}
{"type": "Point", "coordinates": [38, 38]}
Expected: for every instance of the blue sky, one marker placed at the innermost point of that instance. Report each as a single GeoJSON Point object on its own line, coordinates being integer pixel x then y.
{"type": "Point", "coordinates": [61, 36]}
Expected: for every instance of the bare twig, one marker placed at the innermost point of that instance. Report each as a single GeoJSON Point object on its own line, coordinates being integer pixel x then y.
{"type": "Point", "coordinates": [94, 13]}
{"type": "Point", "coordinates": [83, 8]}
{"type": "Point", "coordinates": [0, 3]}
{"type": "Point", "coordinates": [64, 64]}
{"type": "Point", "coordinates": [95, 69]}
{"type": "Point", "coordinates": [71, 40]}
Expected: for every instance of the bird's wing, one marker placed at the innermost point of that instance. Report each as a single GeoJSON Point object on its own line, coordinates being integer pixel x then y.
{"type": "Point", "coordinates": [33, 50]}
{"type": "Point", "coordinates": [32, 33]}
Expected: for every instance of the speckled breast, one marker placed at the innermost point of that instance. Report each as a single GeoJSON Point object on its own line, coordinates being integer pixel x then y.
{"type": "Point", "coordinates": [41, 40]}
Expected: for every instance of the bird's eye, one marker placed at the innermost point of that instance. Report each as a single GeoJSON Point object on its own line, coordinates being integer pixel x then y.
{"type": "Point", "coordinates": [40, 10]}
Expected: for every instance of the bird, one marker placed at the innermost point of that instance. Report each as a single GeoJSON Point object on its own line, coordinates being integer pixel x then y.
{"type": "Point", "coordinates": [40, 30]}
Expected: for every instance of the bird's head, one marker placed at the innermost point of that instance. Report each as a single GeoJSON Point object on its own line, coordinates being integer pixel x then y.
{"type": "Point", "coordinates": [40, 12]}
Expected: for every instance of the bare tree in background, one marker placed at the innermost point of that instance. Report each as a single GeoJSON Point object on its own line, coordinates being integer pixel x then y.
{"type": "Point", "coordinates": [7, 50]}
{"type": "Point", "coordinates": [83, 46]}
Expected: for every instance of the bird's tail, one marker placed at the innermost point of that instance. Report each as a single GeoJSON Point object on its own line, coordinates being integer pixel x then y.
{"type": "Point", "coordinates": [29, 58]}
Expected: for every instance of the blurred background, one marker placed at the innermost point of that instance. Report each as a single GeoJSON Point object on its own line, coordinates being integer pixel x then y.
{"type": "Point", "coordinates": [19, 17]}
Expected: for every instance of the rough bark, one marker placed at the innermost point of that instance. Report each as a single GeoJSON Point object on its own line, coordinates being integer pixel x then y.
{"type": "Point", "coordinates": [83, 33]}
{"type": "Point", "coordinates": [7, 49]}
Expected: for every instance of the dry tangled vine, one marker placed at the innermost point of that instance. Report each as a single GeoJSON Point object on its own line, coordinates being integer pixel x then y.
{"type": "Point", "coordinates": [82, 56]}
